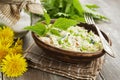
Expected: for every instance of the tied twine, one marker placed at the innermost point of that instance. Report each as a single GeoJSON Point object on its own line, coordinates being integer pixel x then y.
{"type": "Point", "coordinates": [10, 10]}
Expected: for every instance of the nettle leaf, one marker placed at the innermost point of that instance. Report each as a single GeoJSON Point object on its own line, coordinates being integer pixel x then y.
{"type": "Point", "coordinates": [64, 23]}
{"type": "Point", "coordinates": [78, 18]}
{"type": "Point", "coordinates": [68, 6]}
{"type": "Point", "coordinates": [47, 18]}
{"type": "Point", "coordinates": [77, 5]}
{"type": "Point", "coordinates": [38, 28]}
{"type": "Point", "coordinates": [55, 32]}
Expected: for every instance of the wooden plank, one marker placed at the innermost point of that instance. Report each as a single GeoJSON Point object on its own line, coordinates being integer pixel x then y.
{"type": "Point", "coordinates": [37, 74]}
{"type": "Point", "coordinates": [99, 78]}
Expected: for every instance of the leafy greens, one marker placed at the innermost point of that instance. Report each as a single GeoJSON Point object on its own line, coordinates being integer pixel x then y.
{"type": "Point", "coordinates": [71, 9]}
{"type": "Point", "coordinates": [42, 29]}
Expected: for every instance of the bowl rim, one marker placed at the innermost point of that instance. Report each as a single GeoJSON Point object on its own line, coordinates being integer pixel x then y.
{"type": "Point", "coordinates": [70, 52]}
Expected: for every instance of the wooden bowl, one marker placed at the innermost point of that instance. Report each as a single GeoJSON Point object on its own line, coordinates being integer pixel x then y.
{"type": "Point", "coordinates": [71, 56]}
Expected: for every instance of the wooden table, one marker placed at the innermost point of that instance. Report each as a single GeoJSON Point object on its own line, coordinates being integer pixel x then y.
{"type": "Point", "coordinates": [111, 68]}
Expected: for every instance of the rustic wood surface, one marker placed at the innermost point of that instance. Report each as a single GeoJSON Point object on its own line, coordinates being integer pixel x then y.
{"type": "Point", "coordinates": [111, 68]}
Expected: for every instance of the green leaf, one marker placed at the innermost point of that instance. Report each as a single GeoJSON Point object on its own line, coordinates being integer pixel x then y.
{"type": "Point", "coordinates": [68, 6]}
{"type": "Point", "coordinates": [78, 18]}
{"type": "Point", "coordinates": [78, 6]}
{"type": "Point", "coordinates": [92, 6]}
{"type": "Point", "coordinates": [47, 18]}
{"type": "Point", "coordinates": [38, 28]}
{"type": "Point", "coordinates": [55, 32]}
{"type": "Point", "coordinates": [64, 23]}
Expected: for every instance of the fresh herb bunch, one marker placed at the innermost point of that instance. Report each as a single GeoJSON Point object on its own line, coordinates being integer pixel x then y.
{"type": "Point", "coordinates": [72, 9]}
{"type": "Point", "coordinates": [42, 29]}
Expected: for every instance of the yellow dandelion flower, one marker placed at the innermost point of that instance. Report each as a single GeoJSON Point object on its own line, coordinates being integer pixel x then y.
{"type": "Point", "coordinates": [6, 32]}
{"type": "Point", "coordinates": [13, 65]}
{"type": "Point", "coordinates": [17, 47]}
{"type": "Point", "coordinates": [6, 42]}
{"type": "Point", "coordinates": [16, 50]}
{"type": "Point", "coordinates": [3, 51]}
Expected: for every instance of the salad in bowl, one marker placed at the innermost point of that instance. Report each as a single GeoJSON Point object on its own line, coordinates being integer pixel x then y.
{"type": "Point", "coordinates": [75, 38]}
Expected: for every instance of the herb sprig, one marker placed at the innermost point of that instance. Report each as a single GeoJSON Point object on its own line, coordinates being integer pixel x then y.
{"type": "Point", "coordinates": [43, 28]}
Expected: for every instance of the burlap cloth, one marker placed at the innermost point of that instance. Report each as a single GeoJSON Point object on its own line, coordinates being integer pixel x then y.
{"type": "Point", "coordinates": [82, 71]}
{"type": "Point", "coordinates": [10, 9]}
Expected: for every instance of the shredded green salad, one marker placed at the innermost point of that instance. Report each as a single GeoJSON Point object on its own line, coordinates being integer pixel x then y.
{"type": "Point", "coordinates": [75, 38]}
